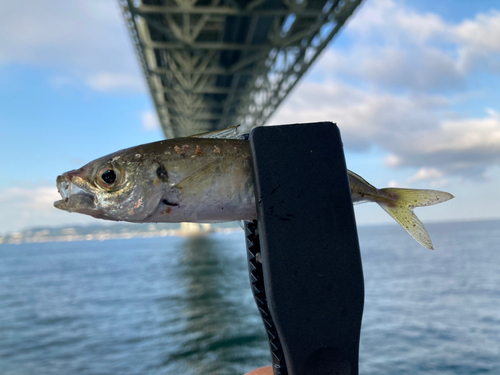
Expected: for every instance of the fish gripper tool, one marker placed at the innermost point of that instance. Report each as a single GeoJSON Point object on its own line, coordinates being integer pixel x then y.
{"type": "Point", "coordinates": [304, 258]}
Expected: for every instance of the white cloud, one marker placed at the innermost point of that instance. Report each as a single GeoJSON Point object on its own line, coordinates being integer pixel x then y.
{"type": "Point", "coordinates": [481, 33]}
{"type": "Point", "coordinates": [426, 174]}
{"type": "Point", "coordinates": [39, 199]}
{"type": "Point", "coordinates": [433, 176]}
{"type": "Point", "coordinates": [465, 146]}
{"type": "Point", "coordinates": [87, 39]}
{"type": "Point", "coordinates": [476, 134]}
{"type": "Point", "coordinates": [424, 69]}
{"type": "Point", "coordinates": [397, 47]}
{"type": "Point", "coordinates": [392, 161]}
{"type": "Point", "coordinates": [25, 207]}
{"type": "Point", "coordinates": [396, 87]}
{"type": "Point", "coordinates": [479, 41]}
{"type": "Point", "coordinates": [383, 16]}
{"type": "Point", "coordinates": [150, 120]}
{"type": "Point", "coordinates": [414, 131]}
{"type": "Point", "coordinates": [365, 118]}
{"type": "Point", "coordinates": [115, 82]}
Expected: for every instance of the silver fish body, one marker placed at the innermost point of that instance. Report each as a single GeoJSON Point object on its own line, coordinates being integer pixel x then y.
{"type": "Point", "coordinates": [181, 180]}
{"type": "Point", "coordinates": [203, 178]}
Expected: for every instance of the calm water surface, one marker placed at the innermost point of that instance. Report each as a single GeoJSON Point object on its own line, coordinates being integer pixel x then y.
{"type": "Point", "coordinates": [183, 305]}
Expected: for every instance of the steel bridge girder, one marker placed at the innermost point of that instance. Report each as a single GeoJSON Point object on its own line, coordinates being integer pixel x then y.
{"type": "Point", "coordinates": [209, 67]}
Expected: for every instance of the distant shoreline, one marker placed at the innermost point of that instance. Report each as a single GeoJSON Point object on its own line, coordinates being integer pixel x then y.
{"type": "Point", "coordinates": [104, 233]}
{"type": "Point", "coordinates": [129, 231]}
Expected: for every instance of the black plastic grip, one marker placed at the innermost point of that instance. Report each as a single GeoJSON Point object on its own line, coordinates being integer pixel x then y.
{"type": "Point", "coordinates": [312, 269]}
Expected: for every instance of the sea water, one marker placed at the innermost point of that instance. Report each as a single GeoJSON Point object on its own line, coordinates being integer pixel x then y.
{"type": "Point", "coordinates": [177, 305]}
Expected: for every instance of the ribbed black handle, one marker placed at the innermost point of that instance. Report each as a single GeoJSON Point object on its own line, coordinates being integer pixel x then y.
{"type": "Point", "coordinates": [259, 294]}
{"type": "Point", "coordinates": [311, 262]}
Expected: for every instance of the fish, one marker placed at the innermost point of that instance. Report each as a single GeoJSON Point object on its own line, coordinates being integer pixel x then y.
{"type": "Point", "coordinates": [204, 178]}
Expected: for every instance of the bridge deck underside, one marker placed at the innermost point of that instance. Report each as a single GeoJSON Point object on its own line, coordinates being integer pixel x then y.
{"type": "Point", "coordinates": [211, 64]}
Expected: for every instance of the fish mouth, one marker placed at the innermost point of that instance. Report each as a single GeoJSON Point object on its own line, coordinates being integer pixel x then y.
{"type": "Point", "coordinates": [74, 197]}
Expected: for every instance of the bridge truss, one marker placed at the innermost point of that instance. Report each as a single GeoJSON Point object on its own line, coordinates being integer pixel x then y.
{"type": "Point", "coordinates": [211, 64]}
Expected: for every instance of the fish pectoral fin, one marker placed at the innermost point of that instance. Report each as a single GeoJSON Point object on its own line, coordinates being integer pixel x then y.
{"type": "Point", "coordinates": [203, 176]}
{"type": "Point", "coordinates": [228, 133]}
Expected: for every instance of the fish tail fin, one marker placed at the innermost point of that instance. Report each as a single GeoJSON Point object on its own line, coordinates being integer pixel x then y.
{"type": "Point", "coordinates": [399, 203]}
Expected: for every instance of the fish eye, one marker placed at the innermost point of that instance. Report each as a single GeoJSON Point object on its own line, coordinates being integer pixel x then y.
{"type": "Point", "coordinates": [108, 176]}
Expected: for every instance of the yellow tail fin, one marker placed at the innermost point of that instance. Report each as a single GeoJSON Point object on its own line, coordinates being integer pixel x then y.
{"type": "Point", "coordinates": [400, 206]}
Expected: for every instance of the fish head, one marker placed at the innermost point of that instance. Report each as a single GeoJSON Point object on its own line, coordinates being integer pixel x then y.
{"type": "Point", "coordinates": [125, 186]}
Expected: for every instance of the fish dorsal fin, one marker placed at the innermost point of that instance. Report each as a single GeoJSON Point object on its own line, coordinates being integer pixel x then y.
{"type": "Point", "coordinates": [228, 133]}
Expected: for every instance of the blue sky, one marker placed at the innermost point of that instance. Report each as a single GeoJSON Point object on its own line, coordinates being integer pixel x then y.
{"type": "Point", "coordinates": [413, 86]}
